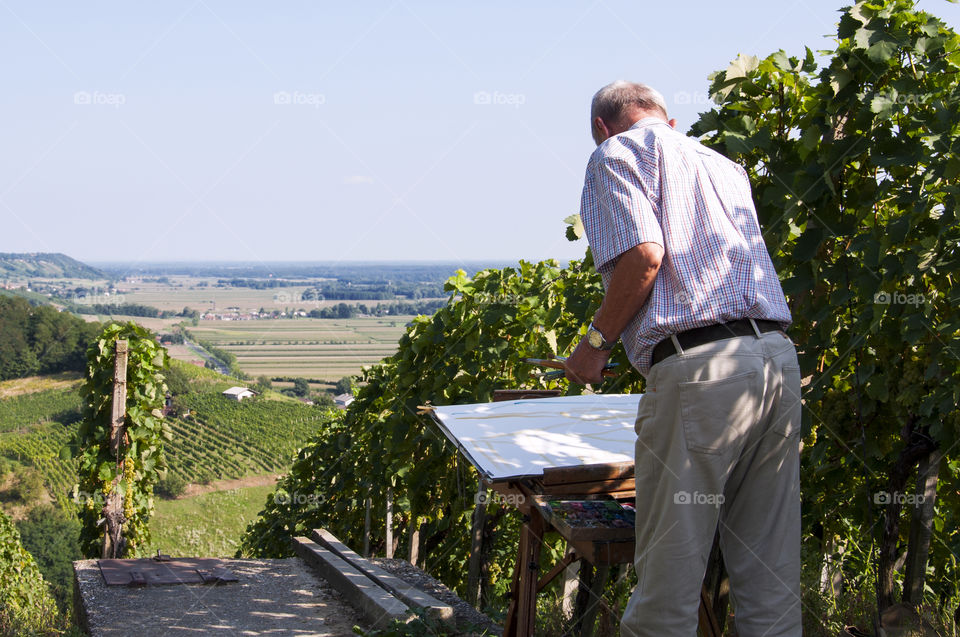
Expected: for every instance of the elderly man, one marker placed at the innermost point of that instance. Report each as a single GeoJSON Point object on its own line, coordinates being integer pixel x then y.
{"type": "Point", "coordinates": [693, 295]}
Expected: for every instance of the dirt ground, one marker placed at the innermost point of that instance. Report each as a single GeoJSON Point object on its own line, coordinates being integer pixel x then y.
{"type": "Point", "coordinates": [272, 597]}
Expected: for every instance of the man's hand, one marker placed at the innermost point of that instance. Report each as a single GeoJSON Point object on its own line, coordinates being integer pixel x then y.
{"type": "Point", "coordinates": [586, 364]}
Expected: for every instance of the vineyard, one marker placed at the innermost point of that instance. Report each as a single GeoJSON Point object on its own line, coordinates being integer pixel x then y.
{"type": "Point", "coordinates": [221, 439]}
{"type": "Point", "coordinates": [34, 428]}
{"type": "Point", "coordinates": [218, 440]}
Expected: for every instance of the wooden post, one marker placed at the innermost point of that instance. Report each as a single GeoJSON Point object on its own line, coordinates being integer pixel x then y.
{"type": "Point", "coordinates": [389, 523]}
{"type": "Point", "coordinates": [921, 528]}
{"type": "Point", "coordinates": [414, 540]}
{"type": "Point", "coordinates": [113, 507]}
{"type": "Point", "coordinates": [119, 411]}
{"type": "Point", "coordinates": [476, 545]}
{"type": "Point", "coordinates": [366, 527]}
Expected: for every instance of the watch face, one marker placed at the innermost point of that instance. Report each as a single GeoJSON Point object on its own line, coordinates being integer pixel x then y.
{"type": "Point", "coordinates": [595, 338]}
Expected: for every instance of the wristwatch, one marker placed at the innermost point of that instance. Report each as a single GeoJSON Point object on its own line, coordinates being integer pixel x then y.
{"type": "Point", "coordinates": [596, 339]}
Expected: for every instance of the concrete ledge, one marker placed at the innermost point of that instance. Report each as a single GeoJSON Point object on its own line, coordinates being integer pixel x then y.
{"type": "Point", "coordinates": [378, 606]}
{"type": "Point", "coordinates": [405, 592]}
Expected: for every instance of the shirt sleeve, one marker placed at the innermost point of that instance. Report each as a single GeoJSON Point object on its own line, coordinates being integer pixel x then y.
{"type": "Point", "coordinates": [616, 209]}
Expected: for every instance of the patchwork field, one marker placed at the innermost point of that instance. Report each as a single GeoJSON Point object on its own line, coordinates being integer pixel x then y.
{"type": "Point", "coordinates": [183, 292]}
{"type": "Point", "coordinates": [325, 349]}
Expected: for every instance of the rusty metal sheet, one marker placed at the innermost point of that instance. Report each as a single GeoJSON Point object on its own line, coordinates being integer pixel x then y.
{"type": "Point", "coordinates": [152, 572]}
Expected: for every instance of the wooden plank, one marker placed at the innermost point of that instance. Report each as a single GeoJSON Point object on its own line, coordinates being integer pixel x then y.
{"type": "Point", "coordinates": [500, 395]}
{"type": "Point", "coordinates": [606, 487]}
{"type": "Point", "coordinates": [408, 594]}
{"type": "Point", "coordinates": [588, 473]}
{"type": "Point", "coordinates": [378, 606]}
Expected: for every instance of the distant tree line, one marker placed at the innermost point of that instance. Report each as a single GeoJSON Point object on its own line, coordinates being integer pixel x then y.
{"type": "Point", "coordinates": [40, 339]}
{"type": "Point", "coordinates": [345, 311]}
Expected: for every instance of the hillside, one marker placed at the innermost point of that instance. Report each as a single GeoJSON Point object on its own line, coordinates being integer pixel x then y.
{"type": "Point", "coordinates": [215, 438]}
{"type": "Point", "coordinates": [51, 265]}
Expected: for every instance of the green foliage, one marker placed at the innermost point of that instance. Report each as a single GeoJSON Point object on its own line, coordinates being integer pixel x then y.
{"type": "Point", "coordinates": [854, 170]}
{"type": "Point", "coordinates": [26, 606]}
{"type": "Point", "coordinates": [52, 536]}
{"type": "Point", "coordinates": [40, 340]}
{"type": "Point", "coordinates": [141, 460]}
{"type": "Point", "coordinates": [301, 387]}
{"type": "Point", "coordinates": [345, 385]}
{"type": "Point", "coordinates": [170, 486]}
{"type": "Point", "coordinates": [176, 378]}
{"type": "Point", "coordinates": [26, 487]}
{"type": "Point", "coordinates": [460, 355]}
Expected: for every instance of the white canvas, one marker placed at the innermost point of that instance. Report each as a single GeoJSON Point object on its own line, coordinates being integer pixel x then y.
{"type": "Point", "coordinates": [523, 437]}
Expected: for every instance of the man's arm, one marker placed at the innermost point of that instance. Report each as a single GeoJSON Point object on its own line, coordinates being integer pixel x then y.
{"type": "Point", "coordinates": [630, 285]}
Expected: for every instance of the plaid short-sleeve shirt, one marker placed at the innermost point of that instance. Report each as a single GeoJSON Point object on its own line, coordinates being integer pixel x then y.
{"type": "Point", "coordinates": [653, 184]}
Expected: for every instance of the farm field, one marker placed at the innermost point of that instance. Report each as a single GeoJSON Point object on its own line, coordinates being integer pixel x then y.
{"type": "Point", "coordinates": [183, 292]}
{"type": "Point", "coordinates": [325, 349]}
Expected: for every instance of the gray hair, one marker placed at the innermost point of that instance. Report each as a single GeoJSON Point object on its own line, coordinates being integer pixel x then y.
{"type": "Point", "coordinates": [609, 102]}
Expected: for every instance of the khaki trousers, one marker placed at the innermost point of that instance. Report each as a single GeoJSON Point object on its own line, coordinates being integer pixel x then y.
{"type": "Point", "coordinates": [718, 444]}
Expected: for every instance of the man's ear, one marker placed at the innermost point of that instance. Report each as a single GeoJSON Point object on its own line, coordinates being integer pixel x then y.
{"type": "Point", "coordinates": [673, 123]}
{"type": "Point", "coordinates": [600, 130]}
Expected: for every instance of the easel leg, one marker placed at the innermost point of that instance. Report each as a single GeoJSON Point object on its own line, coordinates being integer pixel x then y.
{"type": "Point", "coordinates": [529, 574]}
{"type": "Point", "coordinates": [589, 596]}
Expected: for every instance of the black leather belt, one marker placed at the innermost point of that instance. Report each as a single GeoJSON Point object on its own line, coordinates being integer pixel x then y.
{"type": "Point", "coordinates": [709, 334]}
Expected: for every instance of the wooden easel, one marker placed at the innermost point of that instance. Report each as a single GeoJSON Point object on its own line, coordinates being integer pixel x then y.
{"type": "Point", "coordinates": [577, 482]}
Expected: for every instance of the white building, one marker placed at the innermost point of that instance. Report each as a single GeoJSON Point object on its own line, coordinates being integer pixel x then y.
{"type": "Point", "coordinates": [239, 393]}
{"type": "Point", "coordinates": [343, 400]}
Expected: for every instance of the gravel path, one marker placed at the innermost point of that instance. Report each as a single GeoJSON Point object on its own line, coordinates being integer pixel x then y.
{"type": "Point", "coordinates": [273, 597]}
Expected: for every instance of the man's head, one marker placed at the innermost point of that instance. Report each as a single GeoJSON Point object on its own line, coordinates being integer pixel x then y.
{"type": "Point", "coordinates": [618, 106]}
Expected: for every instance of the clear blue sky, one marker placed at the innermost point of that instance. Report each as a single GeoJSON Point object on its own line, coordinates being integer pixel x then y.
{"type": "Point", "coordinates": [225, 130]}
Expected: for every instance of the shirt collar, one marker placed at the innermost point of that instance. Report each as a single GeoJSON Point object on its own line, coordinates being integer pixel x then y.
{"type": "Point", "coordinates": [647, 121]}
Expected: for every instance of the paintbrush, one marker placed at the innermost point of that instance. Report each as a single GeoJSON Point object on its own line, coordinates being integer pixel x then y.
{"type": "Point", "coordinates": [557, 363]}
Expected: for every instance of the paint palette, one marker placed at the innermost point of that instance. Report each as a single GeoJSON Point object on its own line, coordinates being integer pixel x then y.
{"type": "Point", "coordinates": [593, 520]}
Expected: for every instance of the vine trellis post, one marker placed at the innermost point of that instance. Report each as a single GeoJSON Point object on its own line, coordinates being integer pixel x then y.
{"type": "Point", "coordinates": [113, 507]}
